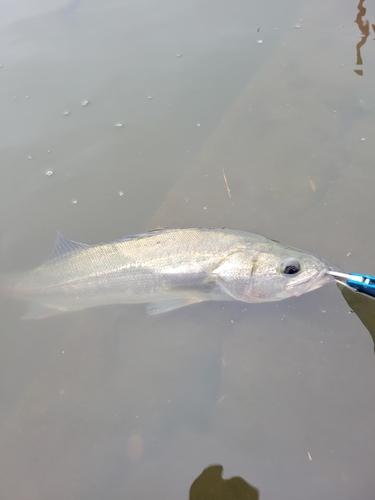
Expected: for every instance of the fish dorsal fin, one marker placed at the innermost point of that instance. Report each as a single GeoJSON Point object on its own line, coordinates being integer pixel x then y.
{"type": "Point", "coordinates": [64, 245]}
{"type": "Point", "coordinates": [131, 237]}
{"type": "Point", "coordinates": [141, 235]}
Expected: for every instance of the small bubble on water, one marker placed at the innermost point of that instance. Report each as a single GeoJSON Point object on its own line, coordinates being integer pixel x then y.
{"type": "Point", "coordinates": [74, 202]}
{"type": "Point", "coordinates": [348, 254]}
{"type": "Point", "coordinates": [260, 41]}
{"type": "Point", "coordinates": [363, 139]}
{"type": "Point", "coordinates": [119, 124]}
{"type": "Point", "coordinates": [150, 96]}
{"type": "Point", "coordinates": [48, 150]}
{"type": "Point", "coordinates": [85, 102]}
{"type": "Point", "coordinates": [27, 97]}
{"type": "Point", "coordinates": [49, 172]}
{"type": "Point", "coordinates": [297, 26]}
{"type": "Point", "coordinates": [178, 54]}
{"type": "Point", "coordinates": [205, 208]}
{"type": "Point", "coordinates": [198, 124]}
{"type": "Point", "coordinates": [1, 65]}
{"type": "Point", "coordinates": [66, 112]}
{"type": "Point", "coordinates": [30, 157]}
{"type": "Point", "coordinates": [120, 193]}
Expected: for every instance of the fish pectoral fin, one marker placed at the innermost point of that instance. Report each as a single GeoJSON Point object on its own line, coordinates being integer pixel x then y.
{"type": "Point", "coordinates": [39, 311]}
{"type": "Point", "coordinates": [170, 305]}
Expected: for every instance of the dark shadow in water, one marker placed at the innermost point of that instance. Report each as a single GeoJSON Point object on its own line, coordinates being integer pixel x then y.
{"type": "Point", "coordinates": [363, 306]}
{"type": "Point", "coordinates": [70, 10]}
{"type": "Point", "coordinates": [211, 485]}
{"type": "Point", "coordinates": [364, 27]}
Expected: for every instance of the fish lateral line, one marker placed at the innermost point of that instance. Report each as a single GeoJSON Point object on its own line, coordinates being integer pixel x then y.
{"type": "Point", "coordinates": [168, 267]}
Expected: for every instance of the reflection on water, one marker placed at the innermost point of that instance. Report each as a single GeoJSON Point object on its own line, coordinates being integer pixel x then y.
{"type": "Point", "coordinates": [364, 27]}
{"type": "Point", "coordinates": [364, 307]}
{"type": "Point", "coordinates": [211, 486]}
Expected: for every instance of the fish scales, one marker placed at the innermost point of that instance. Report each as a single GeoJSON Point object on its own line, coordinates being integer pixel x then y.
{"type": "Point", "coordinates": [168, 268]}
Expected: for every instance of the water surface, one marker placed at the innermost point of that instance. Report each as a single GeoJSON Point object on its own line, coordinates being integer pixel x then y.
{"type": "Point", "coordinates": [246, 115]}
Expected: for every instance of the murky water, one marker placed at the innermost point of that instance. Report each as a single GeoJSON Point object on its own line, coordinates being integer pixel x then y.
{"type": "Point", "coordinates": [119, 116]}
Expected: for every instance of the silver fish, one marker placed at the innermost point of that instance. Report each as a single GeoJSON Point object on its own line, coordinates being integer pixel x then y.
{"type": "Point", "coordinates": [167, 269]}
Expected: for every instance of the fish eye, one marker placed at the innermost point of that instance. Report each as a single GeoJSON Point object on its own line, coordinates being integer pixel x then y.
{"type": "Point", "coordinates": [290, 266]}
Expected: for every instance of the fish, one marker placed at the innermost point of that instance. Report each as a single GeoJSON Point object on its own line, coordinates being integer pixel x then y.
{"type": "Point", "coordinates": [167, 269]}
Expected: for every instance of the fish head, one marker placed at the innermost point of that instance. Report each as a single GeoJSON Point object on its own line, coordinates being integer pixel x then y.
{"type": "Point", "coordinates": [269, 271]}
{"type": "Point", "coordinates": [283, 272]}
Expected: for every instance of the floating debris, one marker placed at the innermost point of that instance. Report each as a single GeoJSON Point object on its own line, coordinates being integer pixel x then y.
{"type": "Point", "coordinates": [178, 54]}
{"type": "Point", "coordinates": [49, 172]}
{"type": "Point", "coordinates": [120, 193]}
{"type": "Point", "coordinates": [226, 184]}
{"type": "Point", "coordinates": [85, 102]}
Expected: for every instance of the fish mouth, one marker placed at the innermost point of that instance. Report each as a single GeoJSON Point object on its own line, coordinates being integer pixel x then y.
{"type": "Point", "coordinates": [311, 283]}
